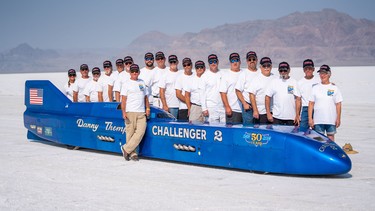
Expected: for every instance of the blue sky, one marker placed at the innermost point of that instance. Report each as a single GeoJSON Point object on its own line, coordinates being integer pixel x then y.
{"type": "Point", "coordinates": [54, 24]}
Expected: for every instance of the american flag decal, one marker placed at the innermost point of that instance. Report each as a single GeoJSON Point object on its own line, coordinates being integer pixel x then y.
{"type": "Point", "coordinates": [36, 96]}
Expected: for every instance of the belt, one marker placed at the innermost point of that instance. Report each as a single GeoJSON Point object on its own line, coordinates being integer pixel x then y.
{"type": "Point", "coordinates": [195, 104]}
{"type": "Point", "coordinates": [155, 96]}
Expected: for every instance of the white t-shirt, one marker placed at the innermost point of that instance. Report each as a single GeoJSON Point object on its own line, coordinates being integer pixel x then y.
{"type": "Point", "coordinates": [325, 98]}
{"type": "Point", "coordinates": [105, 80]}
{"type": "Point", "coordinates": [305, 87]}
{"type": "Point", "coordinates": [181, 83]}
{"type": "Point", "coordinates": [68, 90]}
{"type": "Point", "coordinates": [148, 76]}
{"type": "Point", "coordinates": [121, 79]}
{"type": "Point", "coordinates": [92, 90]}
{"type": "Point", "coordinates": [79, 86]}
{"type": "Point", "coordinates": [227, 83]}
{"type": "Point", "coordinates": [167, 81]}
{"type": "Point", "coordinates": [135, 92]}
{"type": "Point", "coordinates": [283, 93]}
{"type": "Point", "coordinates": [158, 75]}
{"type": "Point", "coordinates": [195, 87]}
{"type": "Point", "coordinates": [244, 80]}
{"type": "Point", "coordinates": [210, 95]}
{"type": "Point", "coordinates": [258, 87]}
{"type": "Point", "coordinates": [113, 78]}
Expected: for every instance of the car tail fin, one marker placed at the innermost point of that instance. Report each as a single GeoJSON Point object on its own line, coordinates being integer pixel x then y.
{"type": "Point", "coordinates": [43, 95]}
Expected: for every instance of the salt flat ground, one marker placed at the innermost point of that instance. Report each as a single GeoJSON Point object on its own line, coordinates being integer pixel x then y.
{"type": "Point", "coordinates": [45, 176]}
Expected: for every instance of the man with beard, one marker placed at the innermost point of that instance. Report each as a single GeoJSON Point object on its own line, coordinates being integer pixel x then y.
{"type": "Point", "coordinates": [147, 74]}
{"type": "Point", "coordinates": [243, 82]}
{"type": "Point", "coordinates": [286, 98]}
{"type": "Point", "coordinates": [160, 70]}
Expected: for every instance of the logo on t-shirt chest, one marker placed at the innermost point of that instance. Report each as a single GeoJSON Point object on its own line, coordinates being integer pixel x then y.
{"type": "Point", "coordinates": [330, 92]}
{"type": "Point", "coordinates": [141, 87]}
{"type": "Point", "coordinates": [290, 89]}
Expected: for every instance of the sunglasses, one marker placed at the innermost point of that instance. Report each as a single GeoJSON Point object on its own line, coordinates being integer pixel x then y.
{"type": "Point", "coordinates": [199, 67]}
{"type": "Point", "coordinates": [149, 59]}
{"type": "Point", "coordinates": [134, 71]}
{"type": "Point", "coordinates": [160, 58]}
{"type": "Point", "coordinates": [234, 60]}
{"type": "Point", "coordinates": [107, 66]}
{"type": "Point", "coordinates": [212, 62]}
{"type": "Point", "coordinates": [283, 70]}
{"type": "Point", "coordinates": [186, 65]}
{"type": "Point", "coordinates": [251, 60]}
{"type": "Point", "coordinates": [96, 73]}
{"type": "Point", "coordinates": [266, 66]}
{"type": "Point", "coordinates": [70, 75]}
{"type": "Point", "coordinates": [128, 63]}
{"type": "Point", "coordinates": [173, 62]}
{"type": "Point", "coordinates": [85, 69]}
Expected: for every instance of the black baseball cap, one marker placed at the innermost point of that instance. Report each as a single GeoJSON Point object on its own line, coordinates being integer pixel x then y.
{"type": "Point", "coordinates": [308, 63]}
{"type": "Point", "coordinates": [134, 67]}
{"type": "Point", "coordinates": [95, 70]}
{"type": "Point", "coordinates": [72, 72]}
{"type": "Point", "coordinates": [119, 62]}
{"type": "Point", "coordinates": [186, 61]}
{"type": "Point", "coordinates": [149, 55]}
{"type": "Point", "coordinates": [284, 66]}
{"type": "Point", "coordinates": [199, 64]}
{"type": "Point", "coordinates": [265, 60]}
{"type": "Point", "coordinates": [128, 59]}
{"type": "Point", "coordinates": [107, 63]}
{"type": "Point", "coordinates": [324, 68]}
{"type": "Point", "coordinates": [212, 57]}
{"type": "Point", "coordinates": [84, 67]}
{"type": "Point", "coordinates": [251, 54]}
{"type": "Point", "coordinates": [172, 58]}
{"type": "Point", "coordinates": [234, 56]}
{"type": "Point", "coordinates": [159, 55]}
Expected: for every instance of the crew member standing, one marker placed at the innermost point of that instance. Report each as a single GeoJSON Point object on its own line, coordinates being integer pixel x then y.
{"type": "Point", "coordinates": [135, 107]}
{"type": "Point", "coordinates": [325, 101]}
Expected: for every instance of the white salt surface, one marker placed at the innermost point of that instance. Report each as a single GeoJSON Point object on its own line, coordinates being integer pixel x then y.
{"type": "Point", "coordinates": [46, 176]}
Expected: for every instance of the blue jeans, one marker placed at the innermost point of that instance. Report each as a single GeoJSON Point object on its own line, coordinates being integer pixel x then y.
{"type": "Point", "coordinates": [304, 117]}
{"type": "Point", "coordinates": [174, 112]}
{"type": "Point", "coordinates": [247, 116]}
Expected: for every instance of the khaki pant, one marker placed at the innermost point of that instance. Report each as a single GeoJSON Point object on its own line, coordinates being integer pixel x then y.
{"type": "Point", "coordinates": [196, 114]}
{"type": "Point", "coordinates": [135, 129]}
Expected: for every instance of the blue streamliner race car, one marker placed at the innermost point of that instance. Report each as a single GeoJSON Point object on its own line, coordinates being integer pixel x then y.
{"type": "Point", "coordinates": [51, 116]}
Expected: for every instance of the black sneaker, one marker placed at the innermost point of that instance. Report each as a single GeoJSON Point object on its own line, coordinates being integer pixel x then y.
{"type": "Point", "coordinates": [125, 154]}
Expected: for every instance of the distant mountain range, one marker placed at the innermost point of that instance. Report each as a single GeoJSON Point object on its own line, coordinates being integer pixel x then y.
{"type": "Point", "coordinates": [326, 36]}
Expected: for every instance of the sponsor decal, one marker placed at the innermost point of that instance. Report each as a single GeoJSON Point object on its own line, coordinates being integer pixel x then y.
{"type": "Point", "coordinates": [109, 126]}
{"type": "Point", "coordinates": [39, 130]}
{"type": "Point", "coordinates": [257, 139]}
{"type": "Point", "coordinates": [189, 133]}
{"type": "Point", "coordinates": [82, 123]}
{"type": "Point", "coordinates": [33, 127]}
{"type": "Point", "coordinates": [328, 144]}
{"type": "Point", "coordinates": [218, 135]}
{"type": "Point", "coordinates": [36, 96]}
{"type": "Point", "coordinates": [48, 131]}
